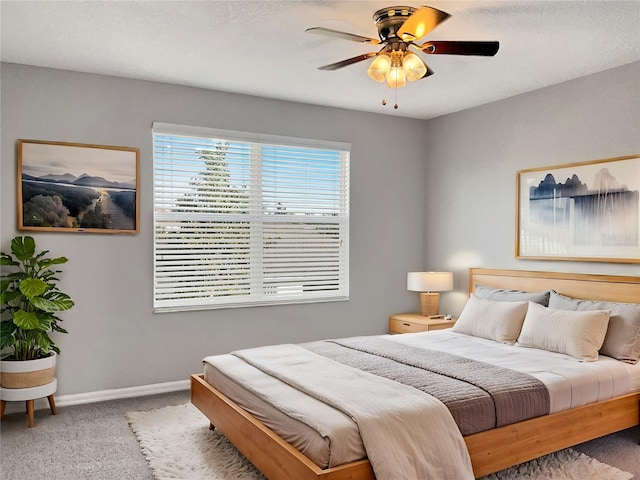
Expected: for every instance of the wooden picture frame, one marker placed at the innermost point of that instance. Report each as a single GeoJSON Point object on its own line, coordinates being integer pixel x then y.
{"type": "Point", "coordinates": [75, 187]}
{"type": "Point", "coordinates": [588, 211]}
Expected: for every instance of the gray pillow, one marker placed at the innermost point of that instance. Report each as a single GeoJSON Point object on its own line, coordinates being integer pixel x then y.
{"type": "Point", "coordinates": [622, 341]}
{"type": "Point", "coordinates": [512, 295]}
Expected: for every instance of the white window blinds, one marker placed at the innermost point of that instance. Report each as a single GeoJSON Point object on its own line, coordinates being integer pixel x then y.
{"type": "Point", "coordinates": [244, 219]}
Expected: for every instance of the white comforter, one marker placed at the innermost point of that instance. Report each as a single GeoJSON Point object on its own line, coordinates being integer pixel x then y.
{"type": "Point", "coordinates": [571, 383]}
{"type": "Point", "coordinates": [407, 433]}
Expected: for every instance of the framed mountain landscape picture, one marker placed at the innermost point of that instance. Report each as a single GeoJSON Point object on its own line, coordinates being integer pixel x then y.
{"type": "Point", "coordinates": [586, 211]}
{"type": "Point", "coordinates": [73, 187]}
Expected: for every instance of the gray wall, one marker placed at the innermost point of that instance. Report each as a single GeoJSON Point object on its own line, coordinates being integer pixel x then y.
{"type": "Point", "coordinates": [473, 157]}
{"type": "Point", "coordinates": [115, 340]}
{"type": "Point", "coordinates": [438, 194]}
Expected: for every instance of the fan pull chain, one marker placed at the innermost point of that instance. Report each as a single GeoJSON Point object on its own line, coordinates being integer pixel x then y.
{"type": "Point", "coordinates": [395, 106]}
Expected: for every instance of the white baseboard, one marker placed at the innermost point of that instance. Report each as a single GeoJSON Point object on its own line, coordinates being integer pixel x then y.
{"type": "Point", "coordinates": [102, 395]}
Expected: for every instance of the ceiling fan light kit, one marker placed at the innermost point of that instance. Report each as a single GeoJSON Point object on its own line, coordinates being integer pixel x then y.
{"type": "Point", "coordinates": [399, 28]}
{"type": "Point", "coordinates": [396, 67]}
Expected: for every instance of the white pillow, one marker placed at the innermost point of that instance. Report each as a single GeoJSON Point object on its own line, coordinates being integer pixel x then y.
{"type": "Point", "coordinates": [499, 321]}
{"type": "Point", "coordinates": [579, 334]}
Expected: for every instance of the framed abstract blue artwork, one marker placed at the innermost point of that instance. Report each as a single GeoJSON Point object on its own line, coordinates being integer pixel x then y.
{"type": "Point", "coordinates": [587, 211]}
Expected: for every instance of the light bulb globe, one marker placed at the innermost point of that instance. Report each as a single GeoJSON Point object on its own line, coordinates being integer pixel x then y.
{"type": "Point", "coordinates": [396, 78]}
{"type": "Point", "coordinates": [414, 68]}
{"type": "Point", "coordinates": [378, 69]}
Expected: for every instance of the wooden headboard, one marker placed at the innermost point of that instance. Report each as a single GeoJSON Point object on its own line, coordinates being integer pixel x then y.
{"type": "Point", "coordinates": [612, 288]}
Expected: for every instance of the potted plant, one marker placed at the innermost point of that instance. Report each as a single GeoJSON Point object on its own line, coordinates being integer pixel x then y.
{"type": "Point", "coordinates": [30, 300]}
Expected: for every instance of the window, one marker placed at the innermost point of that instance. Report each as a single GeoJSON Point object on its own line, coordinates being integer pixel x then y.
{"type": "Point", "coordinates": [245, 219]}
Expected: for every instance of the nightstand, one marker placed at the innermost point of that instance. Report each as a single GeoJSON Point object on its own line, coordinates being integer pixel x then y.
{"type": "Point", "coordinates": [414, 322]}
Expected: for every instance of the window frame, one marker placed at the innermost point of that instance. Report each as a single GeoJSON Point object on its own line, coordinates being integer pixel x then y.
{"type": "Point", "coordinates": [257, 220]}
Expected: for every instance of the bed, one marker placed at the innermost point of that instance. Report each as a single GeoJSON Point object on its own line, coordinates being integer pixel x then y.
{"type": "Point", "coordinates": [489, 450]}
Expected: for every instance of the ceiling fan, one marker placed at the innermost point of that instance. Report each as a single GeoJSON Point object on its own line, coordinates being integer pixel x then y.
{"type": "Point", "coordinates": [399, 28]}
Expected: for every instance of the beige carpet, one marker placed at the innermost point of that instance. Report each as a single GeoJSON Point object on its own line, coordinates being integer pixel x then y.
{"type": "Point", "coordinates": [177, 443]}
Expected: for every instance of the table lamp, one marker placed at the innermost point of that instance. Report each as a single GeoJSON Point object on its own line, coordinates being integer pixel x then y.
{"type": "Point", "coordinates": [428, 284]}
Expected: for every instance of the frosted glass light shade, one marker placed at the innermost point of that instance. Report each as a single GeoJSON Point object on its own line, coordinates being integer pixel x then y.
{"type": "Point", "coordinates": [396, 78]}
{"type": "Point", "coordinates": [429, 281]}
{"type": "Point", "coordinates": [379, 67]}
{"type": "Point", "coordinates": [414, 68]}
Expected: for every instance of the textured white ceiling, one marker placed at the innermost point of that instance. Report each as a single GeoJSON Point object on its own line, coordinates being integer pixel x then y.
{"type": "Point", "coordinates": [261, 48]}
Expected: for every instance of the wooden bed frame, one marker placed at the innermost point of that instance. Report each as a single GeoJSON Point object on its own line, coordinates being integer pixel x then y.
{"type": "Point", "coordinates": [490, 450]}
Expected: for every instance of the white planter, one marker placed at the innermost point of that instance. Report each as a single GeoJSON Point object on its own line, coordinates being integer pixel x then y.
{"type": "Point", "coordinates": [19, 374]}
{"type": "Point", "coordinates": [22, 394]}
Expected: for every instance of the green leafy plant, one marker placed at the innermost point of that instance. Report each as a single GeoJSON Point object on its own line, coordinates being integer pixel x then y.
{"type": "Point", "coordinates": [30, 300]}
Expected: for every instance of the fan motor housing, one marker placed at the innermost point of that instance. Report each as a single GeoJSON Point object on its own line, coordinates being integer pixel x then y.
{"type": "Point", "coordinates": [390, 19]}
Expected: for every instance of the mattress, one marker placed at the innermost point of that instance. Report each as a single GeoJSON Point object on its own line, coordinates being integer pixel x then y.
{"type": "Point", "coordinates": [571, 383]}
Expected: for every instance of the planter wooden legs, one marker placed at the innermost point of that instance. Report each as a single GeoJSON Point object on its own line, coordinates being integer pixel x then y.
{"type": "Point", "coordinates": [52, 405]}
{"type": "Point", "coordinates": [30, 412]}
{"type": "Point", "coordinates": [30, 409]}
{"type": "Point", "coordinates": [28, 395]}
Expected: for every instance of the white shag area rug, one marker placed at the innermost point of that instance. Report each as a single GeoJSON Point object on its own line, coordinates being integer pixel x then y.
{"type": "Point", "coordinates": [178, 444]}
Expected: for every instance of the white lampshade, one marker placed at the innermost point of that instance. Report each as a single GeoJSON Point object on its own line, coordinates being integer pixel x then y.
{"type": "Point", "coordinates": [429, 281]}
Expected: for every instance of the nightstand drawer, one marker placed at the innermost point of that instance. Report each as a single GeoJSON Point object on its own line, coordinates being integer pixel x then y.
{"type": "Point", "coordinates": [403, 326]}
{"type": "Point", "coordinates": [414, 322]}
{"type": "Point", "coordinates": [444, 324]}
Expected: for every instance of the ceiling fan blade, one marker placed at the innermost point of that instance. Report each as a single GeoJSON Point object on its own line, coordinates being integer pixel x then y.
{"type": "Point", "coordinates": [421, 22]}
{"type": "Point", "coordinates": [348, 61]}
{"type": "Point", "coordinates": [327, 32]}
{"type": "Point", "coordinates": [486, 49]}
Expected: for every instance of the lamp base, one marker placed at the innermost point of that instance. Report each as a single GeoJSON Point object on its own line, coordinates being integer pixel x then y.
{"type": "Point", "coordinates": [429, 303]}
